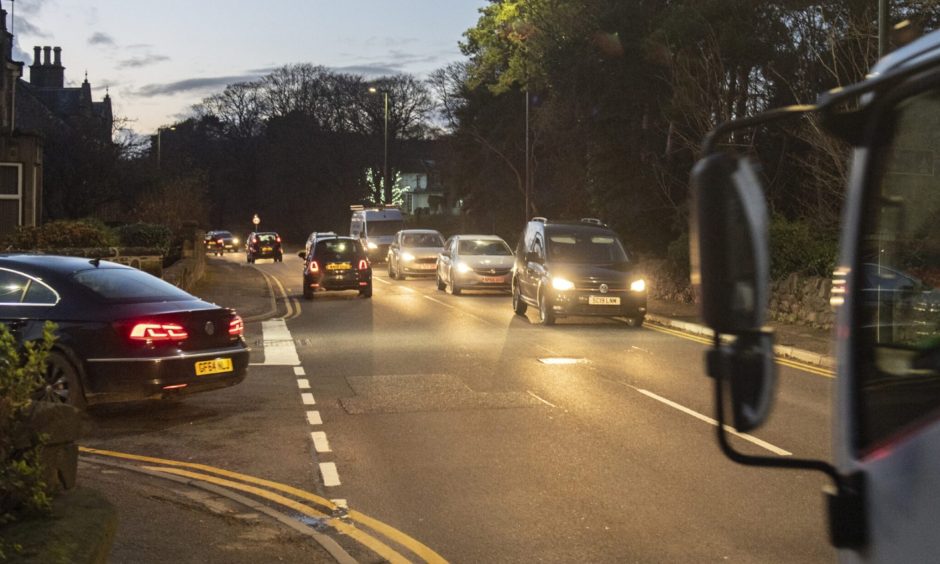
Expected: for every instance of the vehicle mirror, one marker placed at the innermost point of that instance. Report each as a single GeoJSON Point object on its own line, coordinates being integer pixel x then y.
{"type": "Point", "coordinates": [302, 254]}
{"type": "Point", "coordinates": [748, 368]}
{"type": "Point", "coordinates": [728, 244]}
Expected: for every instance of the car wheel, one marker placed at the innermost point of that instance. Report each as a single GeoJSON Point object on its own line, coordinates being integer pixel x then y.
{"type": "Point", "coordinates": [440, 283]}
{"type": "Point", "coordinates": [391, 271]}
{"type": "Point", "coordinates": [518, 305]}
{"type": "Point", "coordinates": [454, 288]}
{"type": "Point", "coordinates": [308, 291]}
{"type": "Point", "coordinates": [636, 321]}
{"type": "Point", "coordinates": [366, 292]}
{"type": "Point", "coordinates": [546, 315]}
{"type": "Point", "coordinates": [61, 383]}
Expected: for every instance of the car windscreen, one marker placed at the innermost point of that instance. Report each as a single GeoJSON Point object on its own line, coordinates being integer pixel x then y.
{"type": "Point", "coordinates": [267, 238]}
{"type": "Point", "coordinates": [128, 285]}
{"type": "Point", "coordinates": [484, 247]}
{"type": "Point", "coordinates": [422, 240]}
{"type": "Point", "coordinates": [383, 228]}
{"type": "Point", "coordinates": [585, 248]}
{"type": "Point", "coordinates": [337, 249]}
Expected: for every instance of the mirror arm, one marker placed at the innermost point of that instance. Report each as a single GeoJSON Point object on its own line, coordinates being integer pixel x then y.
{"type": "Point", "coordinates": [845, 498]}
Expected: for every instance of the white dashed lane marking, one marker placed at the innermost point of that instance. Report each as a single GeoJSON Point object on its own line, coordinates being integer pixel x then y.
{"type": "Point", "coordinates": [320, 444]}
{"type": "Point", "coordinates": [299, 371]}
{"type": "Point", "coordinates": [279, 346]}
{"type": "Point", "coordinates": [329, 473]}
{"type": "Point", "coordinates": [313, 417]}
{"type": "Point", "coordinates": [303, 384]}
{"type": "Point", "coordinates": [307, 398]}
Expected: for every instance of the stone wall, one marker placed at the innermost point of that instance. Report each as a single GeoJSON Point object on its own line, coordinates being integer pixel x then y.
{"type": "Point", "coordinates": [795, 299]}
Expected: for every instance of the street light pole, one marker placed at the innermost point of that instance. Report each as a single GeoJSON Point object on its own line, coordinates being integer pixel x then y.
{"type": "Point", "coordinates": [882, 28]}
{"type": "Point", "coordinates": [385, 181]}
{"type": "Point", "coordinates": [160, 142]}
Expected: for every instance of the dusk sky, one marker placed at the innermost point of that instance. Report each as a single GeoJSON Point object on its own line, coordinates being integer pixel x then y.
{"type": "Point", "coordinates": [160, 58]}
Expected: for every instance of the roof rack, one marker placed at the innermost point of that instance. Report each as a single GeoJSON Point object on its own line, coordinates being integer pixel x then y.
{"type": "Point", "coordinates": [539, 218]}
{"type": "Point", "coordinates": [593, 221]}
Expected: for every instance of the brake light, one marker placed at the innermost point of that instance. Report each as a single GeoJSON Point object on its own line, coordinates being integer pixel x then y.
{"type": "Point", "coordinates": [278, 239]}
{"type": "Point", "coordinates": [314, 267]}
{"type": "Point", "coordinates": [152, 332]}
{"type": "Point", "coordinates": [219, 241]}
{"type": "Point", "coordinates": [236, 326]}
{"type": "Point", "coordinates": [363, 264]}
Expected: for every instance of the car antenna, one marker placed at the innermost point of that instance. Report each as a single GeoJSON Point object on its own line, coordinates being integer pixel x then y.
{"type": "Point", "coordinates": [96, 261]}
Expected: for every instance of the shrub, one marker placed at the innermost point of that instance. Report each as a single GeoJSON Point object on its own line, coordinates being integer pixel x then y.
{"type": "Point", "coordinates": [22, 491]}
{"type": "Point", "coordinates": [62, 234]}
{"type": "Point", "coordinates": [145, 235]}
{"type": "Point", "coordinates": [795, 247]}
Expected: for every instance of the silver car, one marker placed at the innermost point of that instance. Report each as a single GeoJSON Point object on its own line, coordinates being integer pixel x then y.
{"type": "Point", "coordinates": [474, 262]}
{"type": "Point", "coordinates": [414, 252]}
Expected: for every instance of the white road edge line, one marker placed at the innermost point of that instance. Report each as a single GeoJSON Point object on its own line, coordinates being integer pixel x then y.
{"type": "Point", "coordinates": [303, 383]}
{"type": "Point", "coordinates": [313, 417]}
{"type": "Point", "coordinates": [546, 402]}
{"type": "Point", "coordinates": [462, 312]}
{"type": "Point", "coordinates": [437, 301]}
{"type": "Point", "coordinates": [383, 281]}
{"type": "Point", "coordinates": [750, 438]}
{"type": "Point", "coordinates": [320, 444]}
{"type": "Point", "coordinates": [299, 371]}
{"type": "Point", "coordinates": [307, 398]}
{"type": "Point", "coordinates": [329, 473]}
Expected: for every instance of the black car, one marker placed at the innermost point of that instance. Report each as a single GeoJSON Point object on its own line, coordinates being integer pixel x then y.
{"type": "Point", "coordinates": [337, 263]}
{"type": "Point", "coordinates": [576, 268]}
{"type": "Point", "coordinates": [261, 245]}
{"type": "Point", "coordinates": [122, 334]}
{"type": "Point", "coordinates": [229, 241]}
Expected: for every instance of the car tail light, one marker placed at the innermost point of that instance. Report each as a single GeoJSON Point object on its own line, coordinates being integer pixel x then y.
{"type": "Point", "coordinates": [314, 267]}
{"type": "Point", "coordinates": [278, 239]}
{"type": "Point", "coordinates": [363, 264]}
{"type": "Point", "coordinates": [219, 241]}
{"type": "Point", "coordinates": [236, 326]}
{"type": "Point", "coordinates": [153, 332]}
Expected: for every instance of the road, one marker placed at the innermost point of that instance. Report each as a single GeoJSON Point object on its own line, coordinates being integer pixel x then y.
{"type": "Point", "coordinates": [450, 420]}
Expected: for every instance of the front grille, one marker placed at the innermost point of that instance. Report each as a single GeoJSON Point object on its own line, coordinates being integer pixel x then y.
{"type": "Point", "coordinates": [492, 271]}
{"type": "Point", "coordinates": [431, 260]}
{"type": "Point", "coordinates": [595, 286]}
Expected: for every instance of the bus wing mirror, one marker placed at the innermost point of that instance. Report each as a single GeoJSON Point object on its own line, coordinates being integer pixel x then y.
{"type": "Point", "coordinates": [729, 244]}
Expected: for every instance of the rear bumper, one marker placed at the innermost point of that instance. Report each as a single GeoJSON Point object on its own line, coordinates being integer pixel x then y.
{"type": "Point", "coordinates": [355, 281]}
{"type": "Point", "coordinates": [110, 380]}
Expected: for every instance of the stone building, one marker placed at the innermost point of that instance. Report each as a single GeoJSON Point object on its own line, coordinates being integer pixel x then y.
{"type": "Point", "coordinates": [31, 112]}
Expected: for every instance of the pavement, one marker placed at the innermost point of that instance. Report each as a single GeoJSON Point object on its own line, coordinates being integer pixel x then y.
{"type": "Point", "coordinates": [206, 527]}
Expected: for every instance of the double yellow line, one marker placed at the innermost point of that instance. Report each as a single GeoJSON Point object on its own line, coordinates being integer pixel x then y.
{"type": "Point", "coordinates": [812, 369]}
{"type": "Point", "coordinates": [318, 508]}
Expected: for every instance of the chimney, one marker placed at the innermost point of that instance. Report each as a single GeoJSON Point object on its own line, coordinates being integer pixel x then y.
{"type": "Point", "coordinates": [58, 56]}
{"type": "Point", "coordinates": [36, 56]}
{"type": "Point", "coordinates": [45, 55]}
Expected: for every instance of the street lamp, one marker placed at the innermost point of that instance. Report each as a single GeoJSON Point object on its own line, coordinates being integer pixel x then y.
{"type": "Point", "coordinates": [385, 183]}
{"type": "Point", "coordinates": [160, 131]}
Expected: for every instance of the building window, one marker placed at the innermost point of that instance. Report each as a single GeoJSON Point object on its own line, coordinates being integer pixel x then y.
{"type": "Point", "coordinates": [11, 196]}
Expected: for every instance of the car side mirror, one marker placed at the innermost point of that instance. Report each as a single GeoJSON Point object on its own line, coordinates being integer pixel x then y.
{"type": "Point", "coordinates": [731, 271]}
{"type": "Point", "coordinates": [729, 244]}
{"type": "Point", "coordinates": [302, 254]}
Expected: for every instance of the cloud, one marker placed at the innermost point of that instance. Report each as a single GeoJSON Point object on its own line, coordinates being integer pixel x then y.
{"type": "Point", "coordinates": [23, 26]}
{"type": "Point", "coordinates": [369, 69]}
{"type": "Point", "coordinates": [138, 62]}
{"type": "Point", "coordinates": [190, 85]}
{"type": "Point", "coordinates": [99, 38]}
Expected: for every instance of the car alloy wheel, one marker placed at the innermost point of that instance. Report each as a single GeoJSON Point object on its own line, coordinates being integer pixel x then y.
{"type": "Point", "coordinates": [636, 321]}
{"type": "Point", "coordinates": [518, 305]}
{"type": "Point", "coordinates": [391, 273]}
{"type": "Point", "coordinates": [546, 315]}
{"type": "Point", "coordinates": [367, 291]}
{"type": "Point", "coordinates": [61, 383]}
{"type": "Point", "coordinates": [440, 283]}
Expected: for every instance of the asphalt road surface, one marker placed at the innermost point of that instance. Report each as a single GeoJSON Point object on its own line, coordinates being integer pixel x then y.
{"type": "Point", "coordinates": [484, 437]}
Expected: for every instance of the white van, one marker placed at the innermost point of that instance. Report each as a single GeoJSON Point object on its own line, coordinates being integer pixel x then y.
{"type": "Point", "coordinates": [376, 227]}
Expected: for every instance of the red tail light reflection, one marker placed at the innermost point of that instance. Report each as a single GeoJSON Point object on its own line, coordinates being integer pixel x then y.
{"type": "Point", "coordinates": [153, 332]}
{"type": "Point", "coordinates": [363, 264]}
{"type": "Point", "coordinates": [236, 326]}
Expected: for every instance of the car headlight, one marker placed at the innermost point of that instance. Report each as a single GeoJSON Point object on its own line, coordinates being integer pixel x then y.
{"type": "Point", "coordinates": [562, 284]}
{"type": "Point", "coordinates": [235, 241]}
{"type": "Point", "coordinates": [372, 246]}
{"type": "Point", "coordinates": [638, 285]}
{"type": "Point", "coordinates": [463, 268]}
{"type": "Point", "coordinates": [407, 257]}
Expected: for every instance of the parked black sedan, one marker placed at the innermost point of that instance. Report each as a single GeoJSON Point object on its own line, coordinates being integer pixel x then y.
{"type": "Point", "coordinates": [122, 334]}
{"type": "Point", "coordinates": [337, 263]}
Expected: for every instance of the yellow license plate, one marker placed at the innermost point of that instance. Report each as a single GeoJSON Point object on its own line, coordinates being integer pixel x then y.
{"type": "Point", "coordinates": [338, 266]}
{"type": "Point", "coordinates": [214, 366]}
{"type": "Point", "coordinates": [266, 249]}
